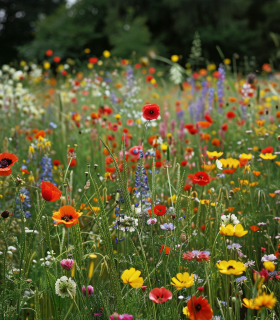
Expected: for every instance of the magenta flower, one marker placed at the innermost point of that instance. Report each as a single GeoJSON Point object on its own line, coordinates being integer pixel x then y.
{"type": "Point", "coordinates": [116, 316]}
{"type": "Point", "coordinates": [90, 290]}
{"type": "Point", "coordinates": [67, 264]}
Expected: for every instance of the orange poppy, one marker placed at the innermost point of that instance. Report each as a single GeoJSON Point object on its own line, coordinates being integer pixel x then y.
{"type": "Point", "coordinates": [272, 195]}
{"type": "Point", "coordinates": [40, 133]}
{"type": "Point", "coordinates": [24, 171]}
{"type": "Point", "coordinates": [199, 309]}
{"type": "Point", "coordinates": [6, 161]}
{"type": "Point", "coordinates": [230, 209]}
{"type": "Point", "coordinates": [66, 215]}
{"type": "Point", "coordinates": [50, 192]}
{"type": "Point", "coordinates": [256, 173]}
{"type": "Point", "coordinates": [216, 142]}
{"type": "Point", "coordinates": [254, 228]}
{"type": "Point", "coordinates": [204, 124]}
{"type": "Point", "coordinates": [230, 171]}
{"type": "Point", "coordinates": [231, 99]}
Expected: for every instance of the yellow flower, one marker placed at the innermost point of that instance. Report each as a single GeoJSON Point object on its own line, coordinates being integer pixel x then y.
{"type": "Point", "coordinates": [268, 156]}
{"type": "Point", "coordinates": [90, 65]}
{"type": "Point", "coordinates": [183, 280]}
{"type": "Point", "coordinates": [239, 231]}
{"type": "Point", "coordinates": [249, 304]}
{"type": "Point", "coordinates": [227, 230]}
{"type": "Point", "coordinates": [231, 163]}
{"type": "Point", "coordinates": [132, 277]}
{"type": "Point", "coordinates": [138, 121]}
{"type": "Point", "coordinates": [227, 61]}
{"type": "Point", "coordinates": [22, 63]}
{"type": "Point", "coordinates": [106, 54]}
{"type": "Point", "coordinates": [244, 182]}
{"type": "Point", "coordinates": [153, 81]}
{"type": "Point", "coordinates": [231, 267]}
{"type": "Point", "coordinates": [260, 123]}
{"type": "Point", "coordinates": [230, 230]}
{"type": "Point", "coordinates": [173, 199]}
{"type": "Point", "coordinates": [164, 147]}
{"type": "Point", "coordinates": [174, 58]}
{"type": "Point", "coordinates": [186, 311]}
{"type": "Point", "coordinates": [214, 154]}
{"type": "Point", "coordinates": [87, 50]}
{"type": "Point", "coordinates": [246, 156]}
{"type": "Point", "coordinates": [269, 266]}
{"type": "Point", "coordinates": [47, 65]}
{"type": "Point", "coordinates": [169, 135]}
{"type": "Point", "coordinates": [117, 116]}
{"type": "Point", "coordinates": [265, 301]}
{"type": "Point", "coordinates": [208, 167]}
{"type": "Point", "coordinates": [204, 201]}
{"type": "Point", "coordinates": [107, 175]}
{"type": "Point", "coordinates": [211, 67]}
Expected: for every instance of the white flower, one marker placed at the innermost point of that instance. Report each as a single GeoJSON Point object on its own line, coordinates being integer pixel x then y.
{"type": "Point", "coordinates": [219, 164]}
{"type": "Point", "coordinates": [65, 287]}
{"type": "Point", "coordinates": [269, 257]}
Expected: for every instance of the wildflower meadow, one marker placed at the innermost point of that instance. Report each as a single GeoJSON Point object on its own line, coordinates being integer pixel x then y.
{"type": "Point", "coordinates": [139, 189]}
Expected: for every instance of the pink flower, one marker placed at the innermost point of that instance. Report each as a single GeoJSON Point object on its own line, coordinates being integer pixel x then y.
{"type": "Point", "coordinates": [160, 295]}
{"type": "Point", "coordinates": [116, 316]}
{"type": "Point", "coordinates": [67, 264]}
{"type": "Point", "coordinates": [90, 290]}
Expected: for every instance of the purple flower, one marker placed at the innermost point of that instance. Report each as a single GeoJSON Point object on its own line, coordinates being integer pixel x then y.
{"type": "Point", "coordinates": [90, 290]}
{"type": "Point", "coordinates": [167, 226]}
{"type": "Point", "coordinates": [67, 264]}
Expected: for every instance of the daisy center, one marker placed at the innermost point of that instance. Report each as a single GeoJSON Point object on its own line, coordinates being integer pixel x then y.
{"type": "Point", "coordinates": [67, 218]}
{"type": "Point", "coordinates": [4, 163]}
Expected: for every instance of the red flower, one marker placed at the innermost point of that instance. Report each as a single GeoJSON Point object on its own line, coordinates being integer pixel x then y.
{"type": "Point", "coordinates": [56, 59]}
{"type": "Point", "coordinates": [92, 60]}
{"type": "Point", "coordinates": [224, 127]}
{"type": "Point", "coordinates": [267, 150]}
{"type": "Point", "coordinates": [208, 118]}
{"type": "Point", "coordinates": [193, 131]}
{"type": "Point", "coordinates": [49, 53]}
{"type": "Point", "coordinates": [200, 289]}
{"type": "Point", "coordinates": [184, 163]}
{"type": "Point", "coordinates": [160, 295]}
{"type": "Point", "coordinates": [151, 111]}
{"type": "Point", "coordinates": [187, 187]}
{"type": "Point", "coordinates": [135, 151]}
{"type": "Point", "coordinates": [199, 309]}
{"type": "Point", "coordinates": [149, 78]}
{"type": "Point", "coordinates": [40, 133]}
{"type": "Point", "coordinates": [263, 249]}
{"type": "Point", "coordinates": [73, 162]}
{"type": "Point", "coordinates": [201, 178]}
{"type": "Point", "coordinates": [263, 274]}
{"type": "Point", "coordinates": [50, 192]}
{"type": "Point", "coordinates": [203, 227]}
{"type": "Point", "coordinates": [159, 209]}
{"type": "Point", "coordinates": [56, 163]}
{"type": "Point", "coordinates": [231, 115]}
{"type": "Point", "coordinates": [189, 126]}
{"type": "Point", "coordinates": [6, 161]}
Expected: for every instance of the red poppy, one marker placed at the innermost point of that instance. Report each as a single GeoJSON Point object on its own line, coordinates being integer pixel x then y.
{"type": "Point", "coordinates": [266, 67]}
{"type": "Point", "coordinates": [201, 178]}
{"type": "Point", "coordinates": [189, 126]}
{"type": "Point", "coordinates": [49, 53]}
{"type": "Point", "coordinates": [56, 59]}
{"type": "Point", "coordinates": [135, 151]}
{"type": "Point", "coordinates": [50, 192]}
{"type": "Point", "coordinates": [56, 163]}
{"type": "Point", "coordinates": [93, 60]}
{"type": "Point", "coordinates": [230, 171]}
{"type": "Point", "coordinates": [73, 163]}
{"type": "Point", "coordinates": [204, 124]}
{"type": "Point", "coordinates": [160, 295]}
{"type": "Point", "coordinates": [158, 164]}
{"type": "Point", "coordinates": [137, 66]}
{"type": "Point", "coordinates": [167, 250]}
{"type": "Point", "coordinates": [208, 118]}
{"type": "Point", "coordinates": [184, 163]}
{"type": "Point", "coordinates": [187, 187]}
{"type": "Point", "coordinates": [193, 131]}
{"type": "Point", "coordinates": [224, 127]}
{"type": "Point", "coordinates": [149, 78]}
{"type": "Point", "coordinates": [159, 209]}
{"type": "Point", "coordinates": [6, 161]}
{"type": "Point", "coordinates": [230, 115]}
{"type": "Point", "coordinates": [203, 227]}
{"type": "Point", "coordinates": [151, 111]}
{"type": "Point", "coordinates": [199, 309]}
{"type": "Point", "coordinates": [267, 150]}
{"type": "Point", "coordinates": [64, 73]}
{"type": "Point", "coordinates": [24, 171]}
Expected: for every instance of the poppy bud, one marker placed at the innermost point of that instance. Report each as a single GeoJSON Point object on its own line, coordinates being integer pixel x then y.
{"type": "Point", "coordinates": [183, 237]}
{"type": "Point", "coordinates": [5, 214]}
{"type": "Point", "coordinates": [144, 288]}
{"type": "Point", "coordinates": [173, 216]}
{"type": "Point", "coordinates": [278, 138]}
{"type": "Point", "coordinates": [200, 289]}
